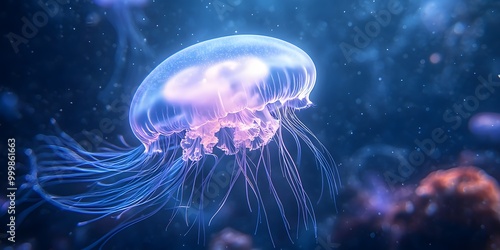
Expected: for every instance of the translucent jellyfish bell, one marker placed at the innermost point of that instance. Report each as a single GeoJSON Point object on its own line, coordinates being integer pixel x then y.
{"type": "Point", "coordinates": [131, 43]}
{"type": "Point", "coordinates": [221, 93]}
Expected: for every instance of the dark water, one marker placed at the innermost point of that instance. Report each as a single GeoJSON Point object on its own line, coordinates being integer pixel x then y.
{"type": "Point", "coordinates": [398, 82]}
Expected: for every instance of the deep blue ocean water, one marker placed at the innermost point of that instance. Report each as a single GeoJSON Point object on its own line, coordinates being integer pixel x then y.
{"type": "Point", "coordinates": [393, 78]}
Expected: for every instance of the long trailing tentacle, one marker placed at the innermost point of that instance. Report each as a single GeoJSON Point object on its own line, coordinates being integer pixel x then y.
{"type": "Point", "coordinates": [110, 183]}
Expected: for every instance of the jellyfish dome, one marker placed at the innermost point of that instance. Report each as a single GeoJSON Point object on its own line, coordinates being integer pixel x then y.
{"type": "Point", "coordinates": [221, 93]}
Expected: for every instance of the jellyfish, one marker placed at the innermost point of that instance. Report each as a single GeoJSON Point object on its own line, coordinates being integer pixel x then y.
{"type": "Point", "coordinates": [486, 126]}
{"type": "Point", "coordinates": [232, 96]}
{"type": "Point", "coordinates": [129, 38]}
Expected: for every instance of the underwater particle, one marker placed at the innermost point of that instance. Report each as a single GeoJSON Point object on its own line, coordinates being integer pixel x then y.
{"type": "Point", "coordinates": [435, 58]}
{"type": "Point", "coordinates": [230, 239]}
{"type": "Point", "coordinates": [486, 126]}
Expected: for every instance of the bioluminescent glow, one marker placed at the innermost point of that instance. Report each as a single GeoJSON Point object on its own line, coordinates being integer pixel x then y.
{"type": "Point", "coordinates": [232, 97]}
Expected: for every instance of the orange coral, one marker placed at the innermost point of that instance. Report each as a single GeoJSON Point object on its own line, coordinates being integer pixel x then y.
{"type": "Point", "coordinates": [459, 207]}
{"type": "Point", "coordinates": [476, 189]}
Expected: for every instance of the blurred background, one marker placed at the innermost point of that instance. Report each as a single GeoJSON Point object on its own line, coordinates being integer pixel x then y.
{"type": "Point", "coordinates": [404, 88]}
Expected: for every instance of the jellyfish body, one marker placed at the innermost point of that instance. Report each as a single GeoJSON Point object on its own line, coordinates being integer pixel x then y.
{"type": "Point", "coordinates": [129, 40]}
{"type": "Point", "coordinates": [221, 93]}
{"type": "Point", "coordinates": [486, 126]}
{"type": "Point", "coordinates": [226, 97]}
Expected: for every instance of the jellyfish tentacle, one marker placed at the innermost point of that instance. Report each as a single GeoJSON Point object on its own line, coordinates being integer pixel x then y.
{"type": "Point", "coordinates": [324, 160]}
{"type": "Point", "coordinates": [128, 36]}
{"type": "Point", "coordinates": [105, 184]}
